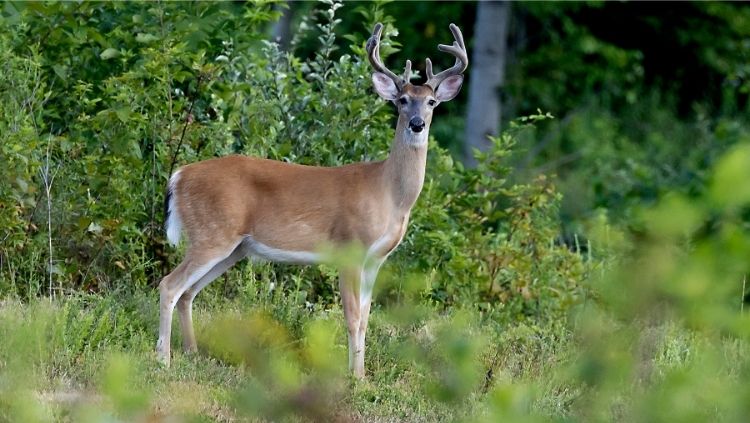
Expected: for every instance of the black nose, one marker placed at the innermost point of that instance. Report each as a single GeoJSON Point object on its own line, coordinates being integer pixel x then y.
{"type": "Point", "coordinates": [416, 124]}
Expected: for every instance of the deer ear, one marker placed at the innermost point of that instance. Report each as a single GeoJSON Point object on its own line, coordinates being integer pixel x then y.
{"type": "Point", "coordinates": [384, 86]}
{"type": "Point", "coordinates": [449, 88]}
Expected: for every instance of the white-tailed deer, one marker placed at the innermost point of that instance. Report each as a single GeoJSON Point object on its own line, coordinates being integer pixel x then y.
{"type": "Point", "coordinates": [238, 206]}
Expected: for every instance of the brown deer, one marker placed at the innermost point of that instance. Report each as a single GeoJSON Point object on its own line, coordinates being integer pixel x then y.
{"type": "Point", "coordinates": [234, 207]}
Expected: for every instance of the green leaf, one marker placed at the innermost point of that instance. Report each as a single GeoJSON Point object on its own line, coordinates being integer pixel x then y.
{"type": "Point", "coordinates": [22, 184]}
{"type": "Point", "coordinates": [110, 53]}
{"type": "Point", "coordinates": [733, 169]}
{"type": "Point", "coordinates": [135, 149]}
{"type": "Point", "coordinates": [123, 113]}
{"type": "Point", "coordinates": [146, 38]}
{"type": "Point", "coordinates": [61, 71]}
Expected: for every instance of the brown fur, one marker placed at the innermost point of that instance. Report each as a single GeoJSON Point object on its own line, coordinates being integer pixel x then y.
{"type": "Point", "coordinates": [285, 206]}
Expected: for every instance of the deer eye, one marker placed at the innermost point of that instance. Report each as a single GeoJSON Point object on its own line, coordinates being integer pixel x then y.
{"type": "Point", "coordinates": [403, 100]}
{"type": "Point", "coordinates": [432, 103]}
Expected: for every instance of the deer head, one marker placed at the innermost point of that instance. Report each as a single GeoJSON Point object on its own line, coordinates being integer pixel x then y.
{"type": "Point", "coordinates": [416, 103]}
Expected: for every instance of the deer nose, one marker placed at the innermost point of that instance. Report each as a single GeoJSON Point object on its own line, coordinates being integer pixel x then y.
{"type": "Point", "coordinates": [416, 124]}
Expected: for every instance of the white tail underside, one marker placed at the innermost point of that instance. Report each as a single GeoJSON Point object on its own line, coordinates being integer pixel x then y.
{"type": "Point", "coordinates": [174, 224]}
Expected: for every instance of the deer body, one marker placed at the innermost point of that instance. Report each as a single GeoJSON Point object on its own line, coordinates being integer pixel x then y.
{"type": "Point", "coordinates": [315, 206]}
{"type": "Point", "coordinates": [236, 207]}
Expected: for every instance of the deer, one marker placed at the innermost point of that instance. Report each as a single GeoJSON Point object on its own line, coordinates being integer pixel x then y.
{"type": "Point", "coordinates": [238, 206]}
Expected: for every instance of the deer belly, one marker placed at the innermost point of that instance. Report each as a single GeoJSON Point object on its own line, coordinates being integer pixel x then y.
{"type": "Point", "coordinates": [259, 250]}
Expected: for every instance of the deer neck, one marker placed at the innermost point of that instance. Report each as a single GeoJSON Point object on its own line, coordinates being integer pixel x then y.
{"type": "Point", "coordinates": [405, 166]}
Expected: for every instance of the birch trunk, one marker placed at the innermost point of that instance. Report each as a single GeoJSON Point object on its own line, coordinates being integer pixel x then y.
{"type": "Point", "coordinates": [487, 75]}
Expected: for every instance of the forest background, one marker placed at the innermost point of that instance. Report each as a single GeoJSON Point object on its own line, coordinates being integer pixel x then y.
{"type": "Point", "coordinates": [587, 262]}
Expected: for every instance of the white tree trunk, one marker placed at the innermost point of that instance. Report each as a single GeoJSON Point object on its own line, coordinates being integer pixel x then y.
{"type": "Point", "coordinates": [487, 75]}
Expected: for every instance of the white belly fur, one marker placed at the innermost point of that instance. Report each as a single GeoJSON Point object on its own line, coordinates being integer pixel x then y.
{"type": "Point", "coordinates": [262, 251]}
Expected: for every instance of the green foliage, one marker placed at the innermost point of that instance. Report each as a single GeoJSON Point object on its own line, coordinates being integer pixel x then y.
{"type": "Point", "coordinates": [685, 275]}
{"type": "Point", "coordinates": [647, 98]}
{"type": "Point", "coordinates": [491, 241]}
{"type": "Point", "coordinates": [22, 145]}
{"type": "Point", "coordinates": [485, 313]}
{"type": "Point", "coordinates": [167, 95]}
{"type": "Point", "coordinates": [140, 84]}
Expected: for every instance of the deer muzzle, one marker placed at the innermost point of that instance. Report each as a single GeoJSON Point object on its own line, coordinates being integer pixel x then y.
{"type": "Point", "coordinates": [416, 124]}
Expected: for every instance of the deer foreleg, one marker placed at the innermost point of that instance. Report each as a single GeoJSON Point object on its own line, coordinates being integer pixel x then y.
{"type": "Point", "coordinates": [349, 283]}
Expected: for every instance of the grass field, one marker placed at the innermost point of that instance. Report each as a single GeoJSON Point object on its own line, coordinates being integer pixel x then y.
{"type": "Point", "coordinates": [263, 355]}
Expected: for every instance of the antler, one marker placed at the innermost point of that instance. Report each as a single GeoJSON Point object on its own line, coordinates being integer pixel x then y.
{"type": "Point", "coordinates": [458, 49]}
{"type": "Point", "coordinates": [373, 53]}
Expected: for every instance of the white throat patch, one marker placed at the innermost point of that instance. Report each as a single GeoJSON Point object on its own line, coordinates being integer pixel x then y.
{"type": "Point", "coordinates": [415, 139]}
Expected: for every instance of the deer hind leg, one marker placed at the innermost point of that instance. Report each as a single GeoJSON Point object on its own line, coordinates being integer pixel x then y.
{"type": "Point", "coordinates": [171, 288]}
{"type": "Point", "coordinates": [185, 303]}
{"type": "Point", "coordinates": [349, 284]}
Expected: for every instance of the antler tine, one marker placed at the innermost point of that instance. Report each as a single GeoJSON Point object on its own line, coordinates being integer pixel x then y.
{"type": "Point", "coordinates": [458, 49]}
{"type": "Point", "coordinates": [373, 53]}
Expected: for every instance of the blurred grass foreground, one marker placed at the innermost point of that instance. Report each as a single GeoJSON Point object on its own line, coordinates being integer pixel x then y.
{"type": "Point", "coordinates": [609, 292]}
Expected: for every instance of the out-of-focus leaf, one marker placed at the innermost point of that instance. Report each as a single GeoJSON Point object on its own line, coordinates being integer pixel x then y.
{"type": "Point", "coordinates": [110, 53]}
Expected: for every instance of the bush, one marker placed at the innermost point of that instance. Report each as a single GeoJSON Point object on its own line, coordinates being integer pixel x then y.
{"type": "Point", "coordinates": [151, 101]}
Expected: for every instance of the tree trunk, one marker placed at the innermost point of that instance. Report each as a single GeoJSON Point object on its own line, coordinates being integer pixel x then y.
{"type": "Point", "coordinates": [281, 32]}
{"type": "Point", "coordinates": [487, 74]}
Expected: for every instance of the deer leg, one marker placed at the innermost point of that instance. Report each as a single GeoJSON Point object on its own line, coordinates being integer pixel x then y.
{"type": "Point", "coordinates": [369, 274]}
{"type": "Point", "coordinates": [185, 303]}
{"type": "Point", "coordinates": [349, 283]}
{"type": "Point", "coordinates": [171, 289]}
